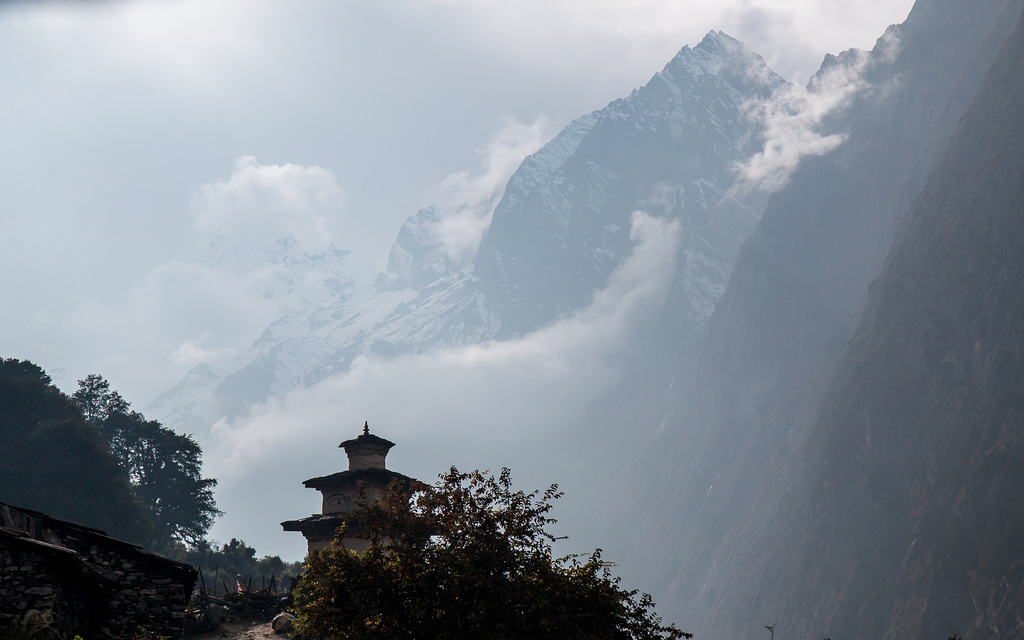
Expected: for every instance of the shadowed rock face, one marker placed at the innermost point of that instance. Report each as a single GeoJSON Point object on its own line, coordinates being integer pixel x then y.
{"type": "Point", "coordinates": [913, 505]}
{"type": "Point", "coordinates": [735, 446]}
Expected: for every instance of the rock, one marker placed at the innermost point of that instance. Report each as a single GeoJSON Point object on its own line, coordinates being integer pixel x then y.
{"type": "Point", "coordinates": [213, 616]}
{"type": "Point", "coordinates": [38, 591]}
{"type": "Point", "coordinates": [35, 618]}
{"type": "Point", "coordinates": [283, 623]}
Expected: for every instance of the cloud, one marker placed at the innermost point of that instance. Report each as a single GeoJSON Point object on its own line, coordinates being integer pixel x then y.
{"type": "Point", "coordinates": [794, 118]}
{"type": "Point", "coordinates": [565, 36]}
{"type": "Point", "coordinates": [193, 42]}
{"type": "Point", "coordinates": [180, 315]}
{"type": "Point", "coordinates": [123, 108]}
{"type": "Point", "coordinates": [272, 201]}
{"type": "Point", "coordinates": [467, 201]}
{"type": "Point", "coordinates": [183, 313]}
{"type": "Point", "coordinates": [487, 399]}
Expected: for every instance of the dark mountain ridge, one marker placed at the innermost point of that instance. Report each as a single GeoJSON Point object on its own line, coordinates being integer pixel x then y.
{"type": "Point", "coordinates": [913, 502]}
{"type": "Point", "coordinates": [733, 442]}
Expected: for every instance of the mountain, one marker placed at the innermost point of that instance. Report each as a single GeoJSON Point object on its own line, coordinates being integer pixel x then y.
{"type": "Point", "coordinates": [670, 148]}
{"type": "Point", "coordinates": [735, 444]}
{"type": "Point", "coordinates": [301, 287]}
{"type": "Point", "coordinates": [560, 229]}
{"type": "Point", "coordinates": [790, 444]}
{"type": "Point", "coordinates": [909, 519]}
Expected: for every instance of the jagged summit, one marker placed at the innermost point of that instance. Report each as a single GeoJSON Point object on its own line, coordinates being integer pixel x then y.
{"type": "Point", "coordinates": [417, 257]}
{"type": "Point", "coordinates": [560, 229]}
{"type": "Point", "coordinates": [669, 147]}
{"type": "Point", "coordinates": [715, 53]}
{"type": "Point", "coordinates": [742, 531]}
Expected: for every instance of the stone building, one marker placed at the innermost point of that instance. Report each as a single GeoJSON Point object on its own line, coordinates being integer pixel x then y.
{"type": "Point", "coordinates": [69, 579]}
{"type": "Point", "coordinates": [344, 492]}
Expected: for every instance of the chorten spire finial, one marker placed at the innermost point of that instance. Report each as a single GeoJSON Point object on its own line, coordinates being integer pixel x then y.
{"type": "Point", "coordinates": [366, 428]}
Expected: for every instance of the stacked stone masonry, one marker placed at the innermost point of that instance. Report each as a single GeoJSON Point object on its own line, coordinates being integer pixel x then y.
{"type": "Point", "coordinates": [73, 580]}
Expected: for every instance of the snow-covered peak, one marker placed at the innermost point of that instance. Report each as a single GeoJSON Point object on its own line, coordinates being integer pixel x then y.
{"type": "Point", "coordinates": [539, 166]}
{"type": "Point", "coordinates": [562, 226]}
{"type": "Point", "coordinates": [417, 257]}
{"type": "Point", "coordinates": [719, 54]}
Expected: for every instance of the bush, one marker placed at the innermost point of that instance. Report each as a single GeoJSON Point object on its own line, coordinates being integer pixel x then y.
{"type": "Point", "coordinates": [466, 558]}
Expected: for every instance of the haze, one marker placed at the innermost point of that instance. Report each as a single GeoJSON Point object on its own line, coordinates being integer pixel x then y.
{"type": "Point", "coordinates": [132, 134]}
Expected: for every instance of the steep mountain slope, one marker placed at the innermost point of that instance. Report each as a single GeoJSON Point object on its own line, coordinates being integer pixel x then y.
{"type": "Point", "coordinates": [669, 148]}
{"type": "Point", "coordinates": [733, 441]}
{"type": "Point", "coordinates": [301, 289]}
{"type": "Point", "coordinates": [561, 228]}
{"type": "Point", "coordinates": [909, 522]}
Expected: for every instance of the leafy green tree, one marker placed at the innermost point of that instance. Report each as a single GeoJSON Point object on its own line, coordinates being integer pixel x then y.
{"type": "Point", "coordinates": [97, 400]}
{"type": "Point", "coordinates": [467, 558]}
{"type": "Point", "coordinates": [163, 467]}
{"type": "Point", "coordinates": [53, 461]}
{"type": "Point", "coordinates": [235, 560]}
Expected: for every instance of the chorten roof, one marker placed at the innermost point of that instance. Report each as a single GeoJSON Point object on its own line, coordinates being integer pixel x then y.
{"type": "Point", "coordinates": [367, 440]}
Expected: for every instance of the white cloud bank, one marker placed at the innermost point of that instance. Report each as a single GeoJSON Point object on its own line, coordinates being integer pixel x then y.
{"type": "Point", "coordinates": [794, 118]}
{"type": "Point", "coordinates": [467, 201]}
{"type": "Point", "coordinates": [180, 314]}
{"type": "Point", "coordinates": [483, 398]}
{"type": "Point", "coordinates": [185, 312]}
{"type": "Point", "coordinates": [566, 35]}
{"type": "Point", "coordinates": [274, 200]}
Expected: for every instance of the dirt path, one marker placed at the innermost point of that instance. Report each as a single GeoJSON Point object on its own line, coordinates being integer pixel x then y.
{"type": "Point", "coordinates": [239, 631]}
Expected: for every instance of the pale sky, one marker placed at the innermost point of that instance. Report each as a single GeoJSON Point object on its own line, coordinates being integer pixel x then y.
{"type": "Point", "coordinates": [122, 123]}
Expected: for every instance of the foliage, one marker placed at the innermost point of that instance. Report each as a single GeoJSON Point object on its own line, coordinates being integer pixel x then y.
{"type": "Point", "coordinates": [96, 400]}
{"type": "Point", "coordinates": [53, 461]}
{"type": "Point", "coordinates": [466, 558]}
{"type": "Point", "coordinates": [236, 561]}
{"type": "Point", "coordinates": [89, 459]}
{"type": "Point", "coordinates": [27, 631]}
{"type": "Point", "coordinates": [163, 467]}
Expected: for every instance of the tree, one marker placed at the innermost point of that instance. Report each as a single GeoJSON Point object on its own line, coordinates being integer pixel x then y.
{"type": "Point", "coordinates": [467, 557]}
{"type": "Point", "coordinates": [235, 560]}
{"type": "Point", "coordinates": [53, 461]}
{"type": "Point", "coordinates": [163, 467]}
{"type": "Point", "coordinates": [96, 400]}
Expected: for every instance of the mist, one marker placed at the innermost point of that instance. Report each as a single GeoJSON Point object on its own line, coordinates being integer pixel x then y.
{"type": "Point", "coordinates": [480, 406]}
{"type": "Point", "coordinates": [199, 187]}
{"type": "Point", "coordinates": [741, 277]}
{"type": "Point", "coordinates": [797, 119]}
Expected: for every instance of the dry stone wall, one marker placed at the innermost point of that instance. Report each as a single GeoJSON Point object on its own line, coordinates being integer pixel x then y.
{"type": "Point", "coordinates": [42, 585]}
{"type": "Point", "coordinates": [73, 580]}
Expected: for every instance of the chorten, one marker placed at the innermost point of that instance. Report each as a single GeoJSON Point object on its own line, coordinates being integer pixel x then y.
{"type": "Point", "coordinates": [344, 492]}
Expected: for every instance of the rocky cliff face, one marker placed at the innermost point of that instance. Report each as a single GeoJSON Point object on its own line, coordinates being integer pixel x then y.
{"type": "Point", "coordinates": [733, 445]}
{"type": "Point", "coordinates": [669, 149]}
{"type": "Point", "coordinates": [909, 522]}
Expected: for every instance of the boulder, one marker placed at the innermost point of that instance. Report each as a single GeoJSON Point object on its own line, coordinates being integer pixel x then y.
{"type": "Point", "coordinates": [213, 616]}
{"type": "Point", "coordinates": [283, 623]}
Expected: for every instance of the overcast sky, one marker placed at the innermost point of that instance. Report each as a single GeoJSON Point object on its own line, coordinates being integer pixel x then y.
{"type": "Point", "coordinates": [124, 125]}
